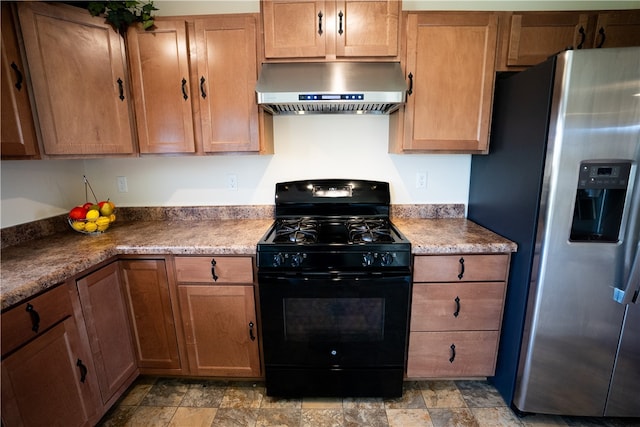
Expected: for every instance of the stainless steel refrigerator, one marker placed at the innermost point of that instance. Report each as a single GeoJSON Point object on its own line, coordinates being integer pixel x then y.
{"type": "Point", "coordinates": [562, 181]}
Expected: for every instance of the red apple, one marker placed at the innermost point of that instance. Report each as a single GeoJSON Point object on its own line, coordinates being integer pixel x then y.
{"type": "Point", "coordinates": [77, 213]}
{"type": "Point", "coordinates": [87, 205]}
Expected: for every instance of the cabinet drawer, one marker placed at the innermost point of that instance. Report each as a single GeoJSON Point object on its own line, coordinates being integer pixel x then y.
{"type": "Point", "coordinates": [452, 354]}
{"type": "Point", "coordinates": [227, 269]}
{"type": "Point", "coordinates": [460, 268]}
{"type": "Point", "coordinates": [19, 323]}
{"type": "Point", "coordinates": [457, 306]}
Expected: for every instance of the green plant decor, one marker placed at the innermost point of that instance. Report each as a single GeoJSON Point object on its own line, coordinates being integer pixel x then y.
{"type": "Point", "coordinates": [121, 14]}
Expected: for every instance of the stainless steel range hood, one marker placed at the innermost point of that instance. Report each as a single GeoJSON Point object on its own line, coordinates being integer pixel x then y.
{"type": "Point", "coordinates": [331, 88]}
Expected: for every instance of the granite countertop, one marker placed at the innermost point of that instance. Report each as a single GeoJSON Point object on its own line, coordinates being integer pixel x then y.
{"type": "Point", "coordinates": [31, 267]}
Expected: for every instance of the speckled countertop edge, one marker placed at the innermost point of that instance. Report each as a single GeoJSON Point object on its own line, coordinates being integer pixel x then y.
{"type": "Point", "coordinates": [31, 267]}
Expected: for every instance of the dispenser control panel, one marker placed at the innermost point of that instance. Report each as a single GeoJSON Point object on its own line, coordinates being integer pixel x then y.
{"type": "Point", "coordinates": [604, 175]}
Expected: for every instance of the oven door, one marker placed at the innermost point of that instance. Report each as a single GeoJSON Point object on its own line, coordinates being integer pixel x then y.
{"type": "Point", "coordinates": [335, 320]}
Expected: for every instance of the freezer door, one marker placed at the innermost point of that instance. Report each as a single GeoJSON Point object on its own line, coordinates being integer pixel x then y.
{"type": "Point", "coordinates": [624, 394]}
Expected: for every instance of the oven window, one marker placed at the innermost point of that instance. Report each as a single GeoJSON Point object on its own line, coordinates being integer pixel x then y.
{"type": "Point", "coordinates": [334, 319]}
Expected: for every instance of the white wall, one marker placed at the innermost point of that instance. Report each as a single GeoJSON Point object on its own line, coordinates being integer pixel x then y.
{"type": "Point", "coordinates": [306, 147]}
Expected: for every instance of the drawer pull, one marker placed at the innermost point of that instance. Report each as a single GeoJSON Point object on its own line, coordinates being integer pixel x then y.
{"type": "Point", "coordinates": [184, 89]}
{"type": "Point", "coordinates": [202, 92]}
{"type": "Point", "coordinates": [455, 313]}
{"type": "Point", "coordinates": [253, 337]}
{"type": "Point", "coordinates": [19, 77]}
{"type": "Point", "coordinates": [600, 34]}
{"type": "Point", "coordinates": [213, 270]}
{"type": "Point", "coordinates": [453, 353]}
{"type": "Point", "coordinates": [35, 318]}
{"type": "Point", "coordinates": [583, 37]}
{"type": "Point", "coordinates": [461, 275]}
{"type": "Point", "coordinates": [340, 15]}
{"type": "Point", "coordinates": [83, 370]}
{"type": "Point", "coordinates": [120, 89]}
{"type": "Point", "coordinates": [320, 23]}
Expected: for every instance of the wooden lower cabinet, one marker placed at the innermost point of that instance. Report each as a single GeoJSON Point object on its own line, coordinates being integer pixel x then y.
{"type": "Point", "coordinates": [217, 306]}
{"type": "Point", "coordinates": [48, 377]}
{"type": "Point", "coordinates": [456, 315]}
{"type": "Point", "coordinates": [106, 320]}
{"type": "Point", "coordinates": [151, 315]}
{"type": "Point", "coordinates": [220, 329]}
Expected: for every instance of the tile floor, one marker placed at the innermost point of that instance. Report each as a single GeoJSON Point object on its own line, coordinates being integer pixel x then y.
{"type": "Point", "coordinates": [152, 401]}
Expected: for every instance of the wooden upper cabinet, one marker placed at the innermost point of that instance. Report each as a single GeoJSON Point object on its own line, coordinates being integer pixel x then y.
{"type": "Point", "coordinates": [227, 74]}
{"type": "Point", "coordinates": [162, 89]}
{"type": "Point", "coordinates": [330, 29]}
{"type": "Point", "coordinates": [617, 29]}
{"type": "Point", "coordinates": [529, 38]}
{"type": "Point", "coordinates": [294, 29]}
{"type": "Point", "coordinates": [18, 131]}
{"type": "Point", "coordinates": [534, 36]}
{"type": "Point", "coordinates": [80, 83]}
{"type": "Point", "coordinates": [450, 68]}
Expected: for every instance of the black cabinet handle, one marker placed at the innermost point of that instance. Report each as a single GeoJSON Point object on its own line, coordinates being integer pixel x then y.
{"type": "Point", "coordinates": [83, 370]}
{"type": "Point", "coordinates": [340, 15]}
{"type": "Point", "coordinates": [461, 275]}
{"type": "Point", "coordinates": [453, 353]}
{"type": "Point", "coordinates": [410, 90]}
{"type": "Point", "coordinates": [320, 22]}
{"type": "Point", "coordinates": [35, 318]}
{"type": "Point", "coordinates": [253, 337]}
{"type": "Point", "coordinates": [583, 37]}
{"type": "Point", "coordinates": [18, 84]}
{"type": "Point", "coordinates": [602, 37]}
{"type": "Point", "coordinates": [120, 89]}
{"type": "Point", "coordinates": [202, 92]}
{"type": "Point", "coordinates": [184, 89]}
{"type": "Point", "coordinates": [457, 312]}
{"type": "Point", "coordinates": [213, 270]}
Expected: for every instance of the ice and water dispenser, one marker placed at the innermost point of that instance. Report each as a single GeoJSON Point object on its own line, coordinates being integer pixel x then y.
{"type": "Point", "coordinates": [599, 204]}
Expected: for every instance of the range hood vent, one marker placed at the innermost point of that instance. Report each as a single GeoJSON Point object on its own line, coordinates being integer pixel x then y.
{"type": "Point", "coordinates": [331, 88]}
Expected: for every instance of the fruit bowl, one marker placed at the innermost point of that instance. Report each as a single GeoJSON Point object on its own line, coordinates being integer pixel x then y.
{"type": "Point", "coordinates": [92, 226]}
{"type": "Point", "coordinates": [92, 218]}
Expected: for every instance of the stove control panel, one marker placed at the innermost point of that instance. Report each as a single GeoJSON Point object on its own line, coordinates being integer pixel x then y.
{"type": "Point", "coordinates": [323, 260]}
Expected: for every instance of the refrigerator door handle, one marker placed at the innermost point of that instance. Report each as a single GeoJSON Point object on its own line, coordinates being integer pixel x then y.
{"type": "Point", "coordinates": [629, 295]}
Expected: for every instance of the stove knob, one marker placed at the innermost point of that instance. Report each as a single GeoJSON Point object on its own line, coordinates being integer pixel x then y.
{"type": "Point", "coordinates": [278, 260]}
{"type": "Point", "coordinates": [367, 259]}
{"type": "Point", "coordinates": [296, 260]}
{"type": "Point", "coordinates": [386, 259]}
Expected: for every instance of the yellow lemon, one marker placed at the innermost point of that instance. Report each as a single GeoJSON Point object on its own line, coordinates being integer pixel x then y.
{"type": "Point", "coordinates": [103, 220]}
{"type": "Point", "coordinates": [90, 227]}
{"type": "Point", "coordinates": [112, 217]}
{"type": "Point", "coordinates": [92, 215]}
{"type": "Point", "coordinates": [78, 225]}
{"type": "Point", "coordinates": [103, 227]}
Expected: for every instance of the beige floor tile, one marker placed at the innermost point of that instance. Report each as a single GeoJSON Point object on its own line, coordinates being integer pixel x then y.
{"type": "Point", "coordinates": [322, 418]}
{"type": "Point", "coordinates": [495, 417]}
{"type": "Point", "coordinates": [151, 416]}
{"type": "Point", "coordinates": [322, 403]}
{"type": "Point", "coordinates": [136, 394]}
{"type": "Point", "coordinates": [442, 394]}
{"type": "Point", "coordinates": [409, 418]}
{"type": "Point", "coordinates": [193, 417]}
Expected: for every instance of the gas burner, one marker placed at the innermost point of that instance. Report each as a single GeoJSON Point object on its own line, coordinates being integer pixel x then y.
{"type": "Point", "coordinates": [299, 230]}
{"type": "Point", "coordinates": [369, 230]}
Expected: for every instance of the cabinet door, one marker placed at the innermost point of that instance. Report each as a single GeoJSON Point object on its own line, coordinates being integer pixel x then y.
{"type": "Point", "coordinates": [451, 62]}
{"type": "Point", "coordinates": [150, 313]}
{"type": "Point", "coordinates": [220, 329]}
{"type": "Point", "coordinates": [80, 86]}
{"type": "Point", "coordinates": [48, 381]}
{"type": "Point", "coordinates": [367, 28]}
{"type": "Point", "coordinates": [618, 29]}
{"type": "Point", "coordinates": [18, 134]}
{"type": "Point", "coordinates": [161, 87]}
{"type": "Point", "coordinates": [105, 316]}
{"type": "Point", "coordinates": [294, 28]}
{"type": "Point", "coordinates": [227, 75]}
{"type": "Point", "coordinates": [534, 36]}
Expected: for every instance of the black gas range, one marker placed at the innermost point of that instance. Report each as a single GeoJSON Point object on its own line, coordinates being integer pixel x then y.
{"type": "Point", "coordinates": [334, 281]}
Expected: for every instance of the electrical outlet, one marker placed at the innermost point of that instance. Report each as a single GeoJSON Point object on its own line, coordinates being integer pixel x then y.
{"type": "Point", "coordinates": [122, 184]}
{"type": "Point", "coordinates": [421, 179]}
{"type": "Point", "coordinates": [232, 181]}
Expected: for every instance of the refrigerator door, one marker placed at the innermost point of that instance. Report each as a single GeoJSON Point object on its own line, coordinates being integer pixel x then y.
{"type": "Point", "coordinates": [573, 324]}
{"type": "Point", "coordinates": [624, 396]}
